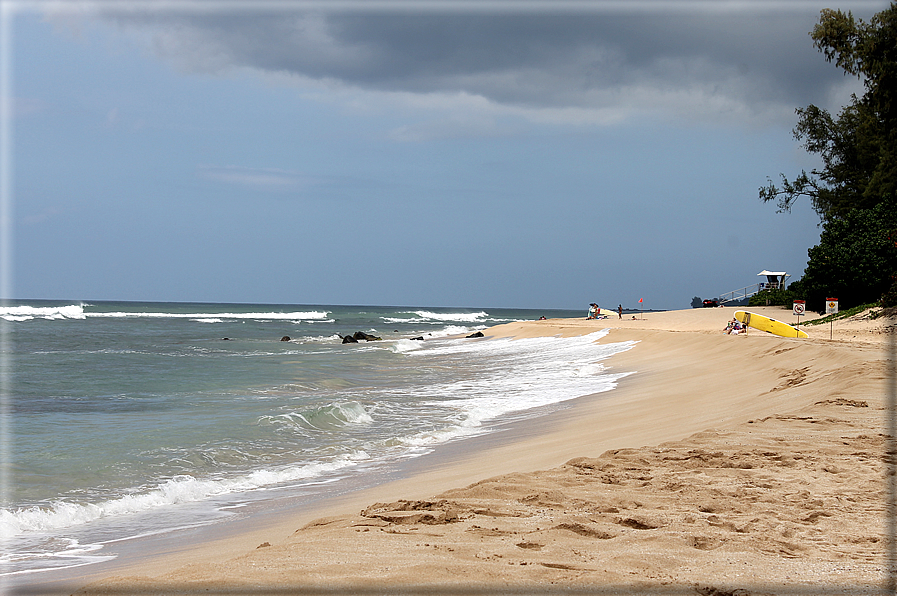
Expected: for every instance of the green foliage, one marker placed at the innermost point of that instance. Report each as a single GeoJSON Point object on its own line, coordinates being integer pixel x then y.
{"type": "Point", "coordinates": [855, 260]}
{"type": "Point", "coordinates": [842, 314]}
{"type": "Point", "coordinates": [859, 148]}
{"type": "Point", "coordinates": [696, 302]}
{"type": "Point", "coordinates": [854, 191]}
{"type": "Point", "coordinates": [774, 297]}
{"type": "Point", "coordinates": [889, 312]}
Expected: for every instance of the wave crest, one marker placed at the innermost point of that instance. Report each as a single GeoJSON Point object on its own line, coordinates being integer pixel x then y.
{"type": "Point", "coordinates": [328, 417]}
{"type": "Point", "coordinates": [179, 489]}
{"type": "Point", "coordinates": [26, 313]}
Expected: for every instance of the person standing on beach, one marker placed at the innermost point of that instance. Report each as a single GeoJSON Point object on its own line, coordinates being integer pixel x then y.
{"type": "Point", "coordinates": [620, 311]}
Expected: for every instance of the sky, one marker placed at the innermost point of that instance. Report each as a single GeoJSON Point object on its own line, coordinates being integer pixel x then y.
{"type": "Point", "coordinates": [433, 153]}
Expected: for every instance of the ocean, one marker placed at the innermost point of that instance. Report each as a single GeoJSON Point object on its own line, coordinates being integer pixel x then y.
{"type": "Point", "coordinates": [127, 420]}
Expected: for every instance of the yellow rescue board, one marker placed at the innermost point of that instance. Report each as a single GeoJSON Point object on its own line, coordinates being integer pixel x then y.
{"type": "Point", "coordinates": [769, 325]}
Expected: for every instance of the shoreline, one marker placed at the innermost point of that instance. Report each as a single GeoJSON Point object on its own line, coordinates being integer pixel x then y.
{"type": "Point", "coordinates": [690, 381]}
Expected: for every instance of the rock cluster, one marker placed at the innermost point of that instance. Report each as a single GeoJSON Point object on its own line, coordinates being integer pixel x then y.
{"type": "Point", "coordinates": [359, 335]}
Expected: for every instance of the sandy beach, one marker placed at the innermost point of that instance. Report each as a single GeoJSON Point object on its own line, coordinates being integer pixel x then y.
{"type": "Point", "coordinates": [723, 464]}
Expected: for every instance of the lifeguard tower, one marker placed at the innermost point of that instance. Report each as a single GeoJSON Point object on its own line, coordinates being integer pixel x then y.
{"type": "Point", "coordinates": [775, 280]}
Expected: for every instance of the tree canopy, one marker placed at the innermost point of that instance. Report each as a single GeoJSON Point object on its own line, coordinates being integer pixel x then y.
{"type": "Point", "coordinates": [855, 260]}
{"type": "Point", "coordinates": [854, 192]}
{"type": "Point", "coordinates": [858, 149]}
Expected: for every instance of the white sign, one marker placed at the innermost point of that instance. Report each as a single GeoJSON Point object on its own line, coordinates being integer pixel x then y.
{"type": "Point", "coordinates": [831, 306]}
{"type": "Point", "coordinates": [799, 307]}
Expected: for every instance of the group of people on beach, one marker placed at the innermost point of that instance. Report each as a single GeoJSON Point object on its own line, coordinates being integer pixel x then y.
{"type": "Point", "coordinates": [734, 327]}
{"type": "Point", "coordinates": [595, 312]}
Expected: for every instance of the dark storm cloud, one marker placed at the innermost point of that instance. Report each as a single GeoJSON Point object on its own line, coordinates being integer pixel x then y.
{"type": "Point", "coordinates": [756, 60]}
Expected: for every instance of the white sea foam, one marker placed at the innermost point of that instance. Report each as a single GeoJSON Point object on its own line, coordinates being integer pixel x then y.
{"type": "Point", "coordinates": [25, 313]}
{"type": "Point", "coordinates": [523, 374]}
{"type": "Point", "coordinates": [450, 330]}
{"type": "Point", "coordinates": [260, 316]}
{"type": "Point", "coordinates": [406, 345]}
{"type": "Point", "coordinates": [455, 330]}
{"type": "Point", "coordinates": [328, 416]}
{"type": "Point", "coordinates": [72, 553]}
{"type": "Point", "coordinates": [403, 320]}
{"type": "Point", "coordinates": [460, 317]}
{"type": "Point", "coordinates": [313, 339]}
{"type": "Point", "coordinates": [180, 489]}
{"type": "Point", "coordinates": [426, 316]}
{"type": "Point", "coordinates": [76, 311]}
{"type": "Point", "coordinates": [354, 413]}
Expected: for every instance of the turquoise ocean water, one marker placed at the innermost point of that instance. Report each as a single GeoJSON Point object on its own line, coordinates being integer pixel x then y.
{"type": "Point", "coordinates": [133, 419]}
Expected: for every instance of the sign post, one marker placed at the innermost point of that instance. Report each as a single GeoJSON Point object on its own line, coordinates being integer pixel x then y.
{"type": "Point", "coordinates": [831, 308]}
{"type": "Point", "coordinates": [799, 308]}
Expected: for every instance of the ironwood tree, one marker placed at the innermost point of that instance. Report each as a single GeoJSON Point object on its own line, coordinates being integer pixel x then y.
{"type": "Point", "coordinates": [858, 148]}
{"type": "Point", "coordinates": [854, 190]}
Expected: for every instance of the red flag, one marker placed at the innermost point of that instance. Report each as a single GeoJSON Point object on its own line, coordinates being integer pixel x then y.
{"type": "Point", "coordinates": [640, 300]}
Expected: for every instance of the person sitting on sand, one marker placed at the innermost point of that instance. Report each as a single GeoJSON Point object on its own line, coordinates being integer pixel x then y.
{"type": "Point", "coordinates": [734, 327]}
{"type": "Point", "coordinates": [593, 311]}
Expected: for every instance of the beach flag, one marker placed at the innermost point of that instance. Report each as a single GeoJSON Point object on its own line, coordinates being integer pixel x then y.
{"type": "Point", "coordinates": [640, 300]}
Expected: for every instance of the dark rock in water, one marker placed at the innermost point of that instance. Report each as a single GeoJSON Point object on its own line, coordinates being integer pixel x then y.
{"type": "Point", "coordinates": [285, 338]}
{"type": "Point", "coordinates": [421, 338]}
{"type": "Point", "coordinates": [359, 335]}
{"type": "Point", "coordinates": [477, 334]}
{"type": "Point", "coordinates": [366, 337]}
{"type": "Point", "coordinates": [225, 339]}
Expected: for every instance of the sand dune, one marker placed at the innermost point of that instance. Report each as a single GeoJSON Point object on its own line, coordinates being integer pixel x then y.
{"type": "Point", "coordinates": [725, 465]}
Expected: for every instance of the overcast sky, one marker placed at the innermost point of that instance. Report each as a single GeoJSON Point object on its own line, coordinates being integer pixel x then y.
{"type": "Point", "coordinates": [466, 153]}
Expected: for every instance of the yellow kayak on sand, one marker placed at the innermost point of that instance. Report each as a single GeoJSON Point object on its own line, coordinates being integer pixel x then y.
{"type": "Point", "coordinates": [769, 325]}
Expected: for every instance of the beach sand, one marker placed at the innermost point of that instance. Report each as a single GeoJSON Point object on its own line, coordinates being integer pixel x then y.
{"type": "Point", "coordinates": [723, 465]}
